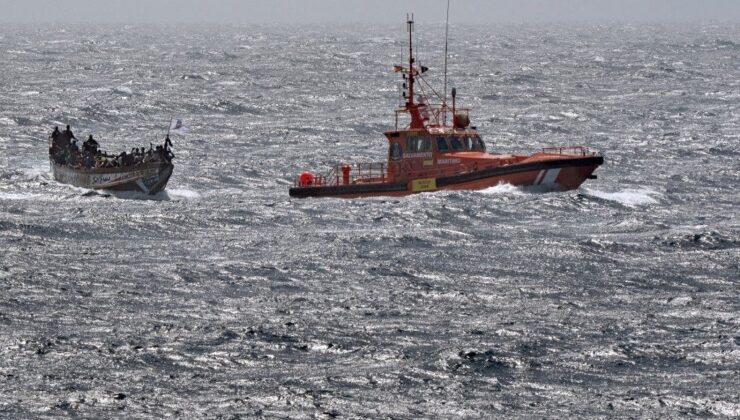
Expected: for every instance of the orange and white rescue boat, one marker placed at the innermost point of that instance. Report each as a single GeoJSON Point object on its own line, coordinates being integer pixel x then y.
{"type": "Point", "coordinates": [431, 155]}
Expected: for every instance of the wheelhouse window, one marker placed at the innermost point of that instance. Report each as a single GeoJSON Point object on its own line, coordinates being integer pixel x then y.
{"type": "Point", "coordinates": [442, 145]}
{"type": "Point", "coordinates": [467, 143]}
{"type": "Point", "coordinates": [395, 152]}
{"type": "Point", "coordinates": [456, 143]}
{"type": "Point", "coordinates": [478, 144]}
{"type": "Point", "coordinates": [418, 144]}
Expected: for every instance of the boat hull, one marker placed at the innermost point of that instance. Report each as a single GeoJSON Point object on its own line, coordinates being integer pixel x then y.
{"type": "Point", "coordinates": [540, 175]}
{"type": "Point", "coordinates": [149, 178]}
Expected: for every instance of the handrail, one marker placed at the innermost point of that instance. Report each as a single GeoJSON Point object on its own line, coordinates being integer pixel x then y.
{"type": "Point", "coordinates": [568, 150]}
{"type": "Point", "coordinates": [358, 173]}
{"type": "Point", "coordinates": [433, 114]}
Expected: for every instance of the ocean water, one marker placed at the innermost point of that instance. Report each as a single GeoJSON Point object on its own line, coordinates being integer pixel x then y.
{"type": "Point", "coordinates": [223, 297]}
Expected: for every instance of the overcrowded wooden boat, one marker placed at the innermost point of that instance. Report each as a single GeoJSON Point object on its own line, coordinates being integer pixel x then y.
{"type": "Point", "coordinates": [141, 170]}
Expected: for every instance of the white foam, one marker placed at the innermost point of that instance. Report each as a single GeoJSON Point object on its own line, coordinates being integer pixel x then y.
{"type": "Point", "coordinates": [569, 114]}
{"type": "Point", "coordinates": [628, 197]}
{"type": "Point", "coordinates": [36, 172]}
{"type": "Point", "coordinates": [451, 232]}
{"type": "Point", "coordinates": [124, 90]}
{"type": "Point", "coordinates": [182, 193]}
{"type": "Point", "coordinates": [7, 121]}
{"type": "Point", "coordinates": [506, 189]}
{"type": "Point", "coordinates": [18, 196]}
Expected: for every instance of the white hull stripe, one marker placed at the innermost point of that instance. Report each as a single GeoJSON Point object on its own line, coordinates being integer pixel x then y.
{"type": "Point", "coordinates": [550, 176]}
{"type": "Point", "coordinates": [539, 177]}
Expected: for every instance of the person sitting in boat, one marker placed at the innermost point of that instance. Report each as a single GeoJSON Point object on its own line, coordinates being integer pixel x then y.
{"type": "Point", "coordinates": [164, 155]}
{"type": "Point", "coordinates": [128, 159]}
{"type": "Point", "coordinates": [135, 157]}
{"type": "Point", "coordinates": [88, 159]}
{"type": "Point", "coordinates": [148, 157]}
{"type": "Point", "coordinates": [109, 161]}
{"type": "Point", "coordinates": [90, 145]}
{"type": "Point", "coordinates": [73, 155]}
{"type": "Point", "coordinates": [60, 157]}
{"type": "Point", "coordinates": [73, 147]}
{"type": "Point", "coordinates": [103, 160]}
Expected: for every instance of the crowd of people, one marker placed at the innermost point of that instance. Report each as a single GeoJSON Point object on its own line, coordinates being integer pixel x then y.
{"type": "Point", "coordinates": [65, 151]}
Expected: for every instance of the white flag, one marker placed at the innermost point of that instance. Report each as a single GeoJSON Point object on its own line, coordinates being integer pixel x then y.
{"type": "Point", "coordinates": [178, 126]}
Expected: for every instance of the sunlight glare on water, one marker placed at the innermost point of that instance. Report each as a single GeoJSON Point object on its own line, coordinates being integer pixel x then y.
{"type": "Point", "coordinates": [223, 297]}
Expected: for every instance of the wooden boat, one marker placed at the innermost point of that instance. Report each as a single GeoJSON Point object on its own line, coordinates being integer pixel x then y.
{"type": "Point", "coordinates": [428, 154]}
{"type": "Point", "coordinates": [148, 176]}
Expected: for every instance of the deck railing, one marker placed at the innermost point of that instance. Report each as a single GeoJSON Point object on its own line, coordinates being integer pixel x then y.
{"type": "Point", "coordinates": [346, 174]}
{"type": "Point", "coordinates": [434, 114]}
{"type": "Point", "coordinates": [568, 150]}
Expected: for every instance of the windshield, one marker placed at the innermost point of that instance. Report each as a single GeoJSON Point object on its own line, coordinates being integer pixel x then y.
{"type": "Point", "coordinates": [478, 144]}
{"type": "Point", "coordinates": [456, 143]}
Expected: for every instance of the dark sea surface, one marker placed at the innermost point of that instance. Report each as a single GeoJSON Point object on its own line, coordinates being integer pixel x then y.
{"type": "Point", "coordinates": [224, 297]}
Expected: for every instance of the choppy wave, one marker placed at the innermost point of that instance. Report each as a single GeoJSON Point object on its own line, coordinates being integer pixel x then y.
{"type": "Point", "coordinates": [627, 197]}
{"type": "Point", "coordinates": [183, 193]}
{"type": "Point", "coordinates": [223, 297]}
{"type": "Point", "coordinates": [18, 196]}
{"type": "Point", "coordinates": [502, 189]}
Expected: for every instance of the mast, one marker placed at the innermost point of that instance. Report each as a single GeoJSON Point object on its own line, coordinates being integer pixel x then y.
{"type": "Point", "coordinates": [417, 121]}
{"type": "Point", "coordinates": [410, 24]}
{"type": "Point", "coordinates": [444, 101]}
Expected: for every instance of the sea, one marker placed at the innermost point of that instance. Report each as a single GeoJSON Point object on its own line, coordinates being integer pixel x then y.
{"type": "Point", "coordinates": [223, 297]}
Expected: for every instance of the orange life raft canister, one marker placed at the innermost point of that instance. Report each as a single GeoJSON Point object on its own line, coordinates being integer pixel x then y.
{"type": "Point", "coordinates": [307, 178]}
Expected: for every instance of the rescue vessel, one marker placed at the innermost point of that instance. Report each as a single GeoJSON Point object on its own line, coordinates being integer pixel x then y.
{"type": "Point", "coordinates": [430, 154]}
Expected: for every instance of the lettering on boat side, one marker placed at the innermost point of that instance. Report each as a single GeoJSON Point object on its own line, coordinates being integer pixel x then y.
{"type": "Point", "coordinates": [447, 161]}
{"type": "Point", "coordinates": [101, 180]}
{"type": "Point", "coordinates": [417, 155]}
{"type": "Point", "coordinates": [425, 184]}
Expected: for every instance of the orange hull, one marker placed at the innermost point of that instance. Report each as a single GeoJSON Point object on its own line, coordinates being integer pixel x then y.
{"type": "Point", "coordinates": [541, 175]}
